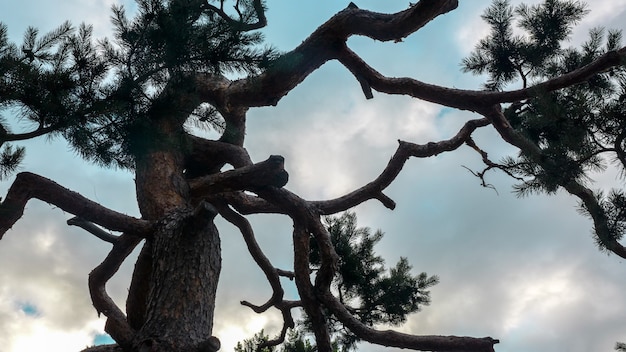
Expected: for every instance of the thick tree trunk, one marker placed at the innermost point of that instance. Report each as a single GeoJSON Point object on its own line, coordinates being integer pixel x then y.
{"type": "Point", "coordinates": [172, 297]}
{"type": "Point", "coordinates": [185, 273]}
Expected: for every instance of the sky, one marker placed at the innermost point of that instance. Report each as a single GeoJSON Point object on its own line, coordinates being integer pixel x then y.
{"type": "Point", "coordinates": [525, 271]}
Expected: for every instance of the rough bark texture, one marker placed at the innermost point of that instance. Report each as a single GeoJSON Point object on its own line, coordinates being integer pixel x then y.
{"type": "Point", "coordinates": [185, 274]}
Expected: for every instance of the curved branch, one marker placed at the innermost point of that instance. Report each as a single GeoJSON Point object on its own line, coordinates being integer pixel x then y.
{"type": "Point", "coordinates": [583, 193]}
{"type": "Point", "coordinates": [321, 46]}
{"type": "Point", "coordinates": [271, 273]}
{"type": "Point", "coordinates": [396, 339]}
{"type": "Point", "coordinates": [470, 99]}
{"type": "Point", "coordinates": [405, 150]}
{"type": "Point", "coordinates": [247, 204]}
{"type": "Point", "coordinates": [117, 325]}
{"type": "Point", "coordinates": [92, 229]}
{"type": "Point", "coordinates": [10, 137]}
{"type": "Point", "coordinates": [28, 185]}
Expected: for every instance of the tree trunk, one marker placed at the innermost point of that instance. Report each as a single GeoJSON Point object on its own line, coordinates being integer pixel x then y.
{"type": "Point", "coordinates": [183, 284]}
{"type": "Point", "coordinates": [172, 298]}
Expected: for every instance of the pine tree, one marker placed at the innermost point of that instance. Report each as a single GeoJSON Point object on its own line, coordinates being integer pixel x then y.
{"type": "Point", "coordinates": [128, 101]}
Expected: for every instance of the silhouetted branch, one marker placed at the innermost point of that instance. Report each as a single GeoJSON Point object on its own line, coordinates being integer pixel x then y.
{"type": "Point", "coordinates": [270, 172]}
{"type": "Point", "coordinates": [92, 229]}
{"type": "Point", "coordinates": [400, 340]}
{"type": "Point", "coordinates": [271, 273]}
{"type": "Point", "coordinates": [586, 196]}
{"type": "Point", "coordinates": [470, 99]}
{"type": "Point", "coordinates": [28, 185]}
{"type": "Point", "coordinates": [403, 153]}
{"type": "Point", "coordinates": [238, 24]}
{"type": "Point", "coordinates": [117, 325]}
{"type": "Point", "coordinates": [321, 46]}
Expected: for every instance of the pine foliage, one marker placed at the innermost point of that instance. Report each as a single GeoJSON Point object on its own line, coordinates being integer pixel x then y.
{"type": "Point", "coordinates": [373, 293]}
{"type": "Point", "coordinates": [579, 130]}
{"type": "Point", "coordinates": [98, 93]}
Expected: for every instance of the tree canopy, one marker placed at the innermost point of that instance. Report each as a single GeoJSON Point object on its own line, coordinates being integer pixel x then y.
{"type": "Point", "coordinates": [130, 101]}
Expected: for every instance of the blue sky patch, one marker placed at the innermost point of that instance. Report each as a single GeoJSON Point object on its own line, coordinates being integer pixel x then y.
{"type": "Point", "coordinates": [102, 339]}
{"type": "Point", "coordinates": [29, 309]}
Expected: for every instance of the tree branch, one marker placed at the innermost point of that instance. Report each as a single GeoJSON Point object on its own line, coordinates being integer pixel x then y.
{"type": "Point", "coordinates": [271, 273]}
{"type": "Point", "coordinates": [270, 172]}
{"type": "Point", "coordinates": [239, 25]}
{"type": "Point", "coordinates": [400, 340]}
{"type": "Point", "coordinates": [117, 325]}
{"type": "Point", "coordinates": [207, 157]}
{"type": "Point", "coordinates": [586, 196]}
{"type": "Point", "coordinates": [27, 186]}
{"type": "Point", "coordinates": [470, 99]}
{"type": "Point", "coordinates": [323, 45]}
{"type": "Point", "coordinates": [403, 153]}
{"type": "Point", "coordinates": [92, 229]}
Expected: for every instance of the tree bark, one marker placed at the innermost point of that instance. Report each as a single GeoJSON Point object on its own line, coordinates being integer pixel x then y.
{"type": "Point", "coordinates": [179, 265]}
{"type": "Point", "coordinates": [183, 284]}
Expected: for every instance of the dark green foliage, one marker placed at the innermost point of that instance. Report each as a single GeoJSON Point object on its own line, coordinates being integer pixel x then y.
{"type": "Point", "coordinates": [374, 294]}
{"type": "Point", "coordinates": [296, 342]}
{"type": "Point", "coordinates": [621, 347]}
{"type": "Point", "coordinates": [103, 95]}
{"type": "Point", "coordinates": [580, 129]}
{"type": "Point", "coordinates": [10, 159]}
{"type": "Point", "coordinates": [251, 345]}
{"type": "Point", "coordinates": [506, 57]}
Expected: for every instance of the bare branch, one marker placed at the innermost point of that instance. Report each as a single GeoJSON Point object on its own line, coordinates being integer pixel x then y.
{"type": "Point", "coordinates": [117, 325]}
{"type": "Point", "coordinates": [396, 339]}
{"type": "Point", "coordinates": [246, 203]}
{"type": "Point", "coordinates": [40, 131]}
{"type": "Point", "coordinates": [271, 273]}
{"type": "Point", "coordinates": [92, 229]}
{"type": "Point", "coordinates": [28, 185]}
{"type": "Point", "coordinates": [403, 153]}
{"type": "Point", "coordinates": [270, 172]}
{"type": "Point", "coordinates": [470, 99]}
{"type": "Point", "coordinates": [323, 45]}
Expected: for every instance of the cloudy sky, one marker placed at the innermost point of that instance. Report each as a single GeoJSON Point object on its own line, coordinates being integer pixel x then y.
{"type": "Point", "coordinates": [525, 271]}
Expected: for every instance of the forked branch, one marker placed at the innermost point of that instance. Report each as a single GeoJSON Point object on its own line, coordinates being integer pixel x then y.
{"type": "Point", "coordinates": [321, 46]}
{"type": "Point", "coordinates": [373, 190]}
{"type": "Point", "coordinates": [241, 25]}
